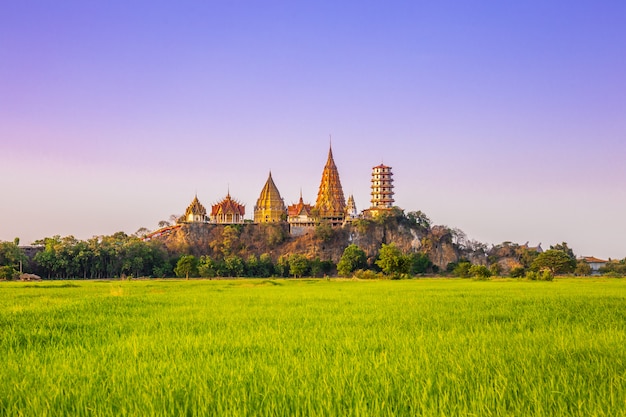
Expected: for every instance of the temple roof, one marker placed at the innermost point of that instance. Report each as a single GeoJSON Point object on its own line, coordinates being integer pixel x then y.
{"type": "Point", "coordinates": [299, 209]}
{"type": "Point", "coordinates": [228, 205]}
{"type": "Point", "coordinates": [270, 196]}
{"type": "Point", "coordinates": [195, 208]}
{"type": "Point", "coordinates": [330, 199]}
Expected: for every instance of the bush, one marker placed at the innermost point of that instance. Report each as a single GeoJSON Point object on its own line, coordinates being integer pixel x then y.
{"type": "Point", "coordinates": [8, 273]}
{"type": "Point", "coordinates": [544, 275]}
{"type": "Point", "coordinates": [517, 272]}
{"type": "Point", "coordinates": [462, 269]}
{"type": "Point", "coordinates": [368, 274]}
{"type": "Point", "coordinates": [479, 272]}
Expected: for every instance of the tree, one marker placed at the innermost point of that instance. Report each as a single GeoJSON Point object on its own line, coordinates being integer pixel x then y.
{"type": "Point", "coordinates": [252, 266]}
{"type": "Point", "coordinates": [186, 266]}
{"type": "Point", "coordinates": [565, 249]}
{"type": "Point", "coordinates": [582, 268]}
{"type": "Point", "coordinates": [324, 231]}
{"type": "Point", "coordinates": [419, 219]}
{"type": "Point", "coordinates": [419, 263]}
{"type": "Point", "coordinates": [462, 269]}
{"type": "Point", "coordinates": [234, 266]}
{"type": "Point", "coordinates": [298, 264]}
{"type": "Point", "coordinates": [207, 267]}
{"type": "Point", "coordinates": [554, 260]}
{"type": "Point", "coordinates": [265, 266]}
{"type": "Point", "coordinates": [353, 258]}
{"type": "Point", "coordinates": [479, 271]}
{"type": "Point", "coordinates": [391, 261]}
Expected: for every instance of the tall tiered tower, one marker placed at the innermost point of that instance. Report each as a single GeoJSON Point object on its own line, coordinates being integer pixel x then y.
{"type": "Point", "coordinates": [382, 189]}
{"type": "Point", "coordinates": [270, 206]}
{"type": "Point", "coordinates": [330, 204]}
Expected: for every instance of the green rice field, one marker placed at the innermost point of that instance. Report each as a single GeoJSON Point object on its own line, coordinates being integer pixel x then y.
{"type": "Point", "coordinates": [423, 347]}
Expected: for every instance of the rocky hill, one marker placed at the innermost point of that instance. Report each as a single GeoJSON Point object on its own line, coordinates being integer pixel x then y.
{"type": "Point", "coordinates": [323, 242]}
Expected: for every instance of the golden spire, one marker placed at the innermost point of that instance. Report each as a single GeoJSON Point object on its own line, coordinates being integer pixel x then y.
{"type": "Point", "coordinates": [330, 202]}
{"type": "Point", "coordinates": [270, 206]}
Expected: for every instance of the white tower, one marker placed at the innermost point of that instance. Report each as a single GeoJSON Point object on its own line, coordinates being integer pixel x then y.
{"type": "Point", "coordinates": [382, 187]}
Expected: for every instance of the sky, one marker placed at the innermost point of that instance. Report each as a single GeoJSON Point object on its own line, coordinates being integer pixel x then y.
{"type": "Point", "coordinates": [506, 120]}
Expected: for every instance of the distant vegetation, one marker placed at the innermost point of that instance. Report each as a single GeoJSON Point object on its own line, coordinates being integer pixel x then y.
{"type": "Point", "coordinates": [394, 246]}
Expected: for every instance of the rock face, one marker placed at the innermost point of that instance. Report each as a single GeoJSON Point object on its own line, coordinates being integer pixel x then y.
{"type": "Point", "coordinates": [323, 242]}
{"type": "Point", "coordinates": [30, 277]}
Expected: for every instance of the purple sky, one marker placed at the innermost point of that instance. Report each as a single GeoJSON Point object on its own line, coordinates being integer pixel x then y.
{"type": "Point", "coordinates": [504, 119]}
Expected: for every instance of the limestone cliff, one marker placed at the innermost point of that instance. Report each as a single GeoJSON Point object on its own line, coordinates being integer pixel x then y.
{"type": "Point", "coordinates": [324, 242]}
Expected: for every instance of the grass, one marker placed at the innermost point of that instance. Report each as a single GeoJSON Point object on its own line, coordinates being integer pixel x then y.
{"type": "Point", "coordinates": [313, 347]}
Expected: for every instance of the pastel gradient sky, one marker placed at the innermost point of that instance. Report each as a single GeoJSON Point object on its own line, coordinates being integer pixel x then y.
{"type": "Point", "coordinates": [506, 119]}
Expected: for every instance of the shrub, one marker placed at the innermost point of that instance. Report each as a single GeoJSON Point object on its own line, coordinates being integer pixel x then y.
{"type": "Point", "coordinates": [367, 274]}
{"type": "Point", "coordinates": [462, 269]}
{"type": "Point", "coordinates": [543, 275]}
{"type": "Point", "coordinates": [479, 272]}
{"type": "Point", "coordinates": [8, 273]}
{"type": "Point", "coordinates": [517, 272]}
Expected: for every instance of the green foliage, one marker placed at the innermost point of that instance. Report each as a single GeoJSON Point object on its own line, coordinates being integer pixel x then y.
{"type": "Point", "coordinates": [419, 218]}
{"type": "Point", "coordinates": [275, 234]}
{"type": "Point", "coordinates": [363, 225]}
{"type": "Point", "coordinates": [479, 272]}
{"type": "Point", "coordinates": [517, 272]}
{"type": "Point", "coordinates": [11, 256]}
{"type": "Point", "coordinates": [543, 275]}
{"type": "Point", "coordinates": [319, 268]}
{"type": "Point", "coordinates": [282, 266]}
{"type": "Point", "coordinates": [230, 240]}
{"type": "Point", "coordinates": [391, 261]}
{"type": "Point", "coordinates": [324, 231]}
{"type": "Point", "coordinates": [265, 266]}
{"type": "Point", "coordinates": [495, 269]}
{"type": "Point", "coordinates": [565, 249]}
{"type": "Point", "coordinates": [8, 273]}
{"type": "Point", "coordinates": [234, 266]}
{"type": "Point", "coordinates": [186, 266]}
{"type": "Point", "coordinates": [101, 257]}
{"type": "Point", "coordinates": [207, 268]}
{"type": "Point", "coordinates": [353, 258]}
{"type": "Point", "coordinates": [368, 274]}
{"type": "Point", "coordinates": [462, 269]}
{"type": "Point", "coordinates": [582, 268]}
{"type": "Point", "coordinates": [614, 268]}
{"type": "Point", "coordinates": [298, 265]}
{"type": "Point", "coordinates": [419, 263]}
{"type": "Point", "coordinates": [557, 261]}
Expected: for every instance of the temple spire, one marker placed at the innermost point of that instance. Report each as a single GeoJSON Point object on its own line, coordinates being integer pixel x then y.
{"type": "Point", "coordinates": [331, 203]}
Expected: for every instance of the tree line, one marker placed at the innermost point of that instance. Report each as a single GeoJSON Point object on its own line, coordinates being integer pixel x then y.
{"type": "Point", "coordinates": [124, 256]}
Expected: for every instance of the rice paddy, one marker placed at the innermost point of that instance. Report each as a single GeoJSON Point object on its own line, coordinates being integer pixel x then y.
{"type": "Point", "coordinates": [313, 347]}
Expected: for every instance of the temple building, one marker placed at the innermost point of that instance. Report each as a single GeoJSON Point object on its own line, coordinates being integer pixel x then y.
{"type": "Point", "coordinates": [195, 213]}
{"type": "Point", "coordinates": [228, 211]}
{"type": "Point", "coordinates": [270, 206]}
{"type": "Point", "coordinates": [331, 204]}
{"type": "Point", "coordinates": [300, 217]}
{"type": "Point", "coordinates": [351, 212]}
{"type": "Point", "coordinates": [382, 191]}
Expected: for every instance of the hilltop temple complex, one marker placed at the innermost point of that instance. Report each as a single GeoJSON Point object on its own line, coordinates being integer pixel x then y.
{"type": "Point", "coordinates": [330, 207]}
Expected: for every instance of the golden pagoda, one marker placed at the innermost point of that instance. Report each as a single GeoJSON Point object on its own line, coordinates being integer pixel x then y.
{"type": "Point", "coordinates": [270, 206]}
{"type": "Point", "coordinates": [330, 204]}
{"type": "Point", "coordinates": [195, 213]}
{"type": "Point", "coordinates": [228, 211]}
